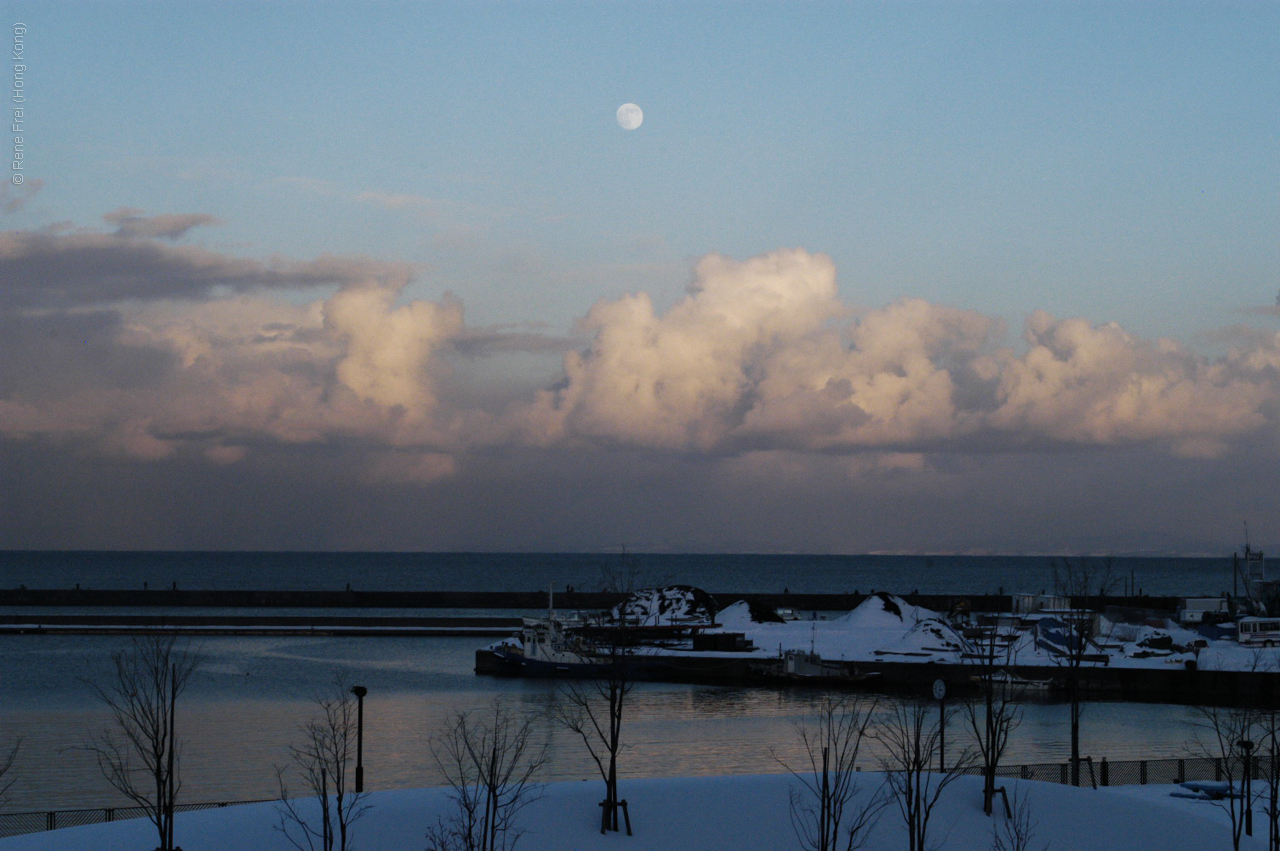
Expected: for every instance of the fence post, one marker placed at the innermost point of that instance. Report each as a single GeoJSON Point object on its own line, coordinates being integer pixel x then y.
{"type": "Point", "coordinates": [1063, 773]}
{"type": "Point", "coordinates": [1217, 768]}
{"type": "Point", "coordinates": [1182, 771]}
{"type": "Point", "coordinates": [1025, 772]}
{"type": "Point", "coordinates": [1142, 772]}
{"type": "Point", "coordinates": [50, 821]}
{"type": "Point", "coordinates": [1106, 772]}
{"type": "Point", "coordinates": [110, 814]}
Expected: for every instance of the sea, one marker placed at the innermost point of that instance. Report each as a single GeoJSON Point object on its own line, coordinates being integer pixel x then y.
{"type": "Point", "coordinates": [245, 706]}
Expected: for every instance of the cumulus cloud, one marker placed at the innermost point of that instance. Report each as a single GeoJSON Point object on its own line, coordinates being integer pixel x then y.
{"type": "Point", "coordinates": [754, 358]}
{"type": "Point", "coordinates": [388, 348]}
{"type": "Point", "coordinates": [186, 350]}
{"type": "Point", "coordinates": [136, 347]}
{"type": "Point", "coordinates": [680, 380]}
{"type": "Point", "coordinates": [1087, 384]}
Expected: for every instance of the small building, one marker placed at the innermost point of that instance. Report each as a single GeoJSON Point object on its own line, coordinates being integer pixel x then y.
{"type": "Point", "coordinates": [1030, 604]}
{"type": "Point", "coordinates": [1198, 610]}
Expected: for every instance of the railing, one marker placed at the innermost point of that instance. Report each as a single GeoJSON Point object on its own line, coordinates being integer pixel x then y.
{"type": "Point", "coordinates": [15, 824]}
{"type": "Point", "coordinates": [1137, 772]}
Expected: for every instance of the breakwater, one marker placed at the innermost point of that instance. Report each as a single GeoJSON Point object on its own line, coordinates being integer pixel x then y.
{"type": "Point", "coordinates": [535, 599]}
{"type": "Point", "coordinates": [36, 623]}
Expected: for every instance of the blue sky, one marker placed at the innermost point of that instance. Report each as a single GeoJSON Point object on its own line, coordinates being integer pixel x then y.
{"type": "Point", "coordinates": [1109, 160]}
{"type": "Point", "coordinates": [1114, 162]}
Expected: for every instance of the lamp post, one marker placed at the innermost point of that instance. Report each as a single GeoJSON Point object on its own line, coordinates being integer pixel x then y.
{"type": "Point", "coordinates": [940, 695]}
{"type": "Point", "coordinates": [1247, 747]}
{"type": "Point", "coordinates": [359, 692]}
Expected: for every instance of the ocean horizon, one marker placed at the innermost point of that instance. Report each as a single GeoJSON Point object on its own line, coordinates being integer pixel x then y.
{"type": "Point", "coordinates": [521, 571]}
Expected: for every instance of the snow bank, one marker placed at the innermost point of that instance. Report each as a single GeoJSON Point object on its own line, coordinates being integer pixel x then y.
{"type": "Point", "coordinates": [748, 813]}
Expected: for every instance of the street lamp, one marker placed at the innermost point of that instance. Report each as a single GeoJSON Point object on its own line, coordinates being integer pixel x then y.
{"type": "Point", "coordinates": [359, 692]}
{"type": "Point", "coordinates": [1247, 747]}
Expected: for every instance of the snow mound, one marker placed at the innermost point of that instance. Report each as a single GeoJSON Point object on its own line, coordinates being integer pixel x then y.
{"type": "Point", "coordinates": [742, 615]}
{"type": "Point", "coordinates": [883, 610]}
{"type": "Point", "coordinates": [930, 636]}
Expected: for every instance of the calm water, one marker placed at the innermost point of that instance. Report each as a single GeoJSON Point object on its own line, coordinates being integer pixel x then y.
{"type": "Point", "coordinates": [245, 705]}
{"type": "Point", "coordinates": [535, 571]}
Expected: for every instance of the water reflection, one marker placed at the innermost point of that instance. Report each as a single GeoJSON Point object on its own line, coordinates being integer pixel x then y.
{"type": "Point", "coordinates": [245, 706]}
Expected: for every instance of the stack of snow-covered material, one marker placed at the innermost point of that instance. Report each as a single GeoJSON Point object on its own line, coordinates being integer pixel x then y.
{"type": "Point", "coordinates": [883, 623]}
{"type": "Point", "coordinates": [883, 628]}
{"type": "Point", "coordinates": [1146, 641]}
{"type": "Point", "coordinates": [674, 605]}
{"type": "Point", "coordinates": [743, 615]}
{"type": "Point", "coordinates": [932, 638]}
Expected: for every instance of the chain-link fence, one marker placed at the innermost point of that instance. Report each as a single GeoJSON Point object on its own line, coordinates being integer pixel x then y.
{"type": "Point", "coordinates": [1136, 772]}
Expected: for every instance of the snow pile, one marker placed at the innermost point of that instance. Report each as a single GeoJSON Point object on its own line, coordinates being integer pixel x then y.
{"type": "Point", "coordinates": [933, 638]}
{"type": "Point", "coordinates": [743, 615]}
{"type": "Point", "coordinates": [674, 604]}
{"type": "Point", "coordinates": [747, 813]}
{"type": "Point", "coordinates": [884, 611]}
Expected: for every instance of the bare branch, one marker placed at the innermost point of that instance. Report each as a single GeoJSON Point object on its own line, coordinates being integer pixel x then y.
{"type": "Point", "coordinates": [139, 754]}
{"type": "Point", "coordinates": [911, 739]}
{"type": "Point", "coordinates": [490, 760]}
{"type": "Point", "coordinates": [323, 758]}
{"type": "Point", "coordinates": [823, 813]}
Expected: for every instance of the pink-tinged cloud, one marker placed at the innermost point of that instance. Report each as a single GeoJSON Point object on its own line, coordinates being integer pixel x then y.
{"type": "Point", "coordinates": [1092, 385]}
{"type": "Point", "coordinates": [760, 359]}
{"type": "Point", "coordinates": [752, 358]}
{"type": "Point", "coordinates": [679, 381]}
{"type": "Point", "coordinates": [130, 222]}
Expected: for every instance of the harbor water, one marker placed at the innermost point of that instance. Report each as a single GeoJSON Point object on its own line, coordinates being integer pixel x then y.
{"type": "Point", "coordinates": [245, 705]}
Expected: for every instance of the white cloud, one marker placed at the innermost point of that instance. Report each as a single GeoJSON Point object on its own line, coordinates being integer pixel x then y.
{"type": "Point", "coordinates": [1091, 385]}
{"type": "Point", "coordinates": [751, 358]}
{"type": "Point", "coordinates": [680, 380]}
{"type": "Point", "coordinates": [388, 348]}
{"type": "Point", "coordinates": [759, 355]}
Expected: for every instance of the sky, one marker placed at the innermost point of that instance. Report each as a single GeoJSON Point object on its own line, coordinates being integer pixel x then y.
{"type": "Point", "coordinates": [869, 277]}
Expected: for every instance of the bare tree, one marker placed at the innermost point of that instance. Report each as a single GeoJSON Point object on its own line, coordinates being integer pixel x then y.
{"type": "Point", "coordinates": [324, 758]}
{"type": "Point", "coordinates": [999, 713]}
{"type": "Point", "coordinates": [489, 760]}
{"type": "Point", "coordinates": [593, 708]}
{"type": "Point", "coordinates": [1268, 727]}
{"type": "Point", "coordinates": [621, 578]}
{"type": "Point", "coordinates": [1079, 581]}
{"type": "Point", "coordinates": [911, 739]}
{"type": "Point", "coordinates": [1221, 734]}
{"type": "Point", "coordinates": [139, 754]}
{"type": "Point", "coordinates": [7, 777]}
{"type": "Point", "coordinates": [829, 789]}
{"type": "Point", "coordinates": [1017, 830]}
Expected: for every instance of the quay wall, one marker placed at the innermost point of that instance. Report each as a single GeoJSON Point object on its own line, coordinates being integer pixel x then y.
{"type": "Point", "coordinates": [1147, 685]}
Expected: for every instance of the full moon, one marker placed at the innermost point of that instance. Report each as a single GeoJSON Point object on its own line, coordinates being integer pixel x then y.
{"type": "Point", "coordinates": [630, 116]}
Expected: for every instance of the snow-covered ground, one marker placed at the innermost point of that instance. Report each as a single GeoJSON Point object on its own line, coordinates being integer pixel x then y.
{"type": "Point", "coordinates": [888, 628]}
{"type": "Point", "coordinates": [710, 814]}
